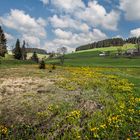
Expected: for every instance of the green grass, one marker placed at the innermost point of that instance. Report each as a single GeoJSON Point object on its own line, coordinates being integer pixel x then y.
{"type": "Point", "coordinates": [91, 58]}
{"type": "Point", "coordinates": [8, 63]}
{"type": "Point", "coordinates": [100, 61]}
{"type": "Point", "coordinates": [104, 62]}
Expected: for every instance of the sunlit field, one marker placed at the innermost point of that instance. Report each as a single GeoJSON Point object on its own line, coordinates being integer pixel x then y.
{"type": "Point", "coordinates": [70, 70]}
{"type": "Point", "coordinates": [82, 103]}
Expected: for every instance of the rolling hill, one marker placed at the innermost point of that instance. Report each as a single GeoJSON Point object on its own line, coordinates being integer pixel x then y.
{"type": "Point", "coordinates": [91, 58]}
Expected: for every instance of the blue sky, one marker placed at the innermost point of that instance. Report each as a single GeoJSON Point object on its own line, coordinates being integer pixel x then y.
{"type": "Point", "coordinates": [50, 24]}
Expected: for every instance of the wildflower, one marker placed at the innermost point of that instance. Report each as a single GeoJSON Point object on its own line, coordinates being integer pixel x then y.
{"type": "Point", "coordinates": [50, 108]}
{"type": "Point", "coordinates": [94, 129]}
{"type": "Point", "coordinates": [74, 114]}
{"type": "Point", "coordinates": [3, 129]}
{"type": "Point", "coordinates": [131, 110]}
{"type": "Point", "coordinates": [78, 137]}
{"type": "Point", "coordinates": [103, 126]}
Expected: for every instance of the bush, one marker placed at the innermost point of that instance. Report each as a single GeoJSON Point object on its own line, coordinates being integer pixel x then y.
{"type": "Point", "coordinates": [42, 65]}
{"type": "Point", "coordinates": [53, 67]}
{"type": "Point", "coordinates": [34, 57]}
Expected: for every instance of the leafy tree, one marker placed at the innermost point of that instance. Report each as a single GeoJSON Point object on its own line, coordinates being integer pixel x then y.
{"type": "Point", "coordinates": [62, 51]}
{"type": "Point", "coordinates": [35, 57]}
{"type": "Point", "coordinates": [3, 47]}
{"type": "Point", "coordinates": [24, 53]}
{"type": "Point", "coordinates": [17, 51]}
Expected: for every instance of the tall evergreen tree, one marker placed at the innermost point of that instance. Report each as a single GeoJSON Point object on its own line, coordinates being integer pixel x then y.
{"type": "Point", "coordinates": [35, 57]}
{"type": "Point", "coordinates": [3, 47]}
{"type": "Point", "coordinates": [42, 64]}
{"type": "Point", "coordinates": [24, 53]}
{"type": "Point", "coordinates": [17, 50]}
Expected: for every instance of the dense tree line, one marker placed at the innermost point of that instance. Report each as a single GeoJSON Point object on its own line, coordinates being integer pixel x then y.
{"type": "Point", "coordinates": [133, 40]}
{"type": "Point", "coordinates": [3, 41]}
{"type": "Point", "coordinates": [32, 50]}
{"type": "Point", "coordinates": [37, 50]}
{"type": "Point", "coordinates": [103, 43]}
{"type": "Point", "coordinates": [109, 43]}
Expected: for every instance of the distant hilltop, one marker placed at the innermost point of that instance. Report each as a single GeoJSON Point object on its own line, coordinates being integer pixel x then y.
{"type": "Point", "coordinates": [108, 43]}
{"type": "Point", "coordinates": [32, 50]}
{"type": "Point", "coordinates": [37, 50]}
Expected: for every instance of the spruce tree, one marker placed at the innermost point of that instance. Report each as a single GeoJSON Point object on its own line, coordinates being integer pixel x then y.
{"type": "Point", "coordinates": [34, 57]}
{"type": "Point", "coordinates": [24, 53]}
{"type": "Point", "coordinates": [3, 47]}
{"type": "Point", "coordinates": [17, 50]}
{"type": "Point", "coordinates": [42, 64]}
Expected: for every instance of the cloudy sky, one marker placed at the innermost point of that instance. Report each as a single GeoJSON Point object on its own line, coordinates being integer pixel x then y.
{"type": "Point", "coordinates": [50, 24]}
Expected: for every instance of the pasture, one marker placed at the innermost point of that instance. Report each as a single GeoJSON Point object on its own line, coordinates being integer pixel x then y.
{"type": "Point", "coordinates": [91, 58]}
{"type": "Point", "coordinates": [68, 102]}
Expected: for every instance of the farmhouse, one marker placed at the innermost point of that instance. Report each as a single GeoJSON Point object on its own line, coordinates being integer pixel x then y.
{"type": "Point", "coordinates": [132, 52]}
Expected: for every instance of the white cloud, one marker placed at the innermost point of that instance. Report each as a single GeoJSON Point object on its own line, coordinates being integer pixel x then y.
{"type": "Point", "coordinates": [117, 36]}
{"type": "Point", "coordinates": [25, 25]}
{"type": "Point", "coordinates": [93, 15]}
{"type": "Point", "coordinates": [62, 34]}
{"type": "Point", "coordinates": [32, 40]}
{"type": "Point", "coordinates": [76, 40]}
{"type": "Point", "coordinates": [41, 22]}
{"type": "Point", "coordinates": [68, 22]}
{"type": "Point", "coordinates": [68, 5]}
{"type": "Point", "coordinates": [46, 2]}
{"type": "Point", "coordinates": [131, 9]}
{"type": "Point", "coordinates": [135, 32]}
{"type": "Point", "coordinates": [96, 15]}
{"type": "Point", "coordinates": [23, 22]}
{"type": "Point", "coordinates": [9, 37]}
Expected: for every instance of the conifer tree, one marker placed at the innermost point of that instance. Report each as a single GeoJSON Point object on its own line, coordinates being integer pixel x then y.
{"type": "Point", "coordinates": [34, 57]}
{"type": "Point", "coordinates": [3, 47]}
{"type": "Point", "coordinates": [42, 64]}
{"type": "Point", "coordinates": [17, 50]}
{"type": "Point", "coordinates": [24, 53]}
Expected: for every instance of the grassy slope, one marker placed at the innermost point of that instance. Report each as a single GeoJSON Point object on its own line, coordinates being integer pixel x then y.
{"type": "Point", "coordinates": [125, 47]}
{"type": "Point", "coordinates": [9, 60]}
{"type": "Point", "coordinates": [104, 62]}
{"type": "Point", "coordinates": [91, 58]}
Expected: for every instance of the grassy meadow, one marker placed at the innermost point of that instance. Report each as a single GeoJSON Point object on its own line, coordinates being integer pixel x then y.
{"type": "Point", "coordinates": [70, 103]}
{"type": "Point", "coordinates": [91, 58]}
{"type": "Point", "coordinates": [112, 49]}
